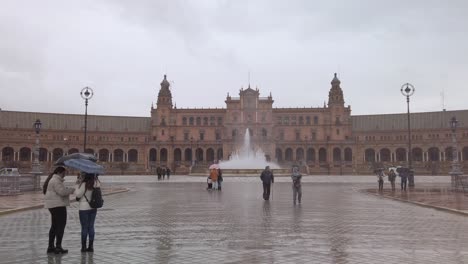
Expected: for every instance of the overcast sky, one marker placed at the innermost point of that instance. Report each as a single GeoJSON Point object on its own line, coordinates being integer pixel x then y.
{"type": "Point", "coordinates": [50, 50]}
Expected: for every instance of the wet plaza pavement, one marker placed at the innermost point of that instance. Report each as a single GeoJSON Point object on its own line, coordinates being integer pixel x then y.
{"type": "Point", "coordinates": [178, 221]}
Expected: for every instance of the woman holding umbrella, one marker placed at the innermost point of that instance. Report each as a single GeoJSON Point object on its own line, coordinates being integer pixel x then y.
{"type": "Point", "coordinates": [57, 198]}
{"type": "Point", "coordinates": [84, 191]}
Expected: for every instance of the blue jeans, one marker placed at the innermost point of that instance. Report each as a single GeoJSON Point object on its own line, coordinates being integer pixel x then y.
{"type": "Point", "coordinates": [87, 218]}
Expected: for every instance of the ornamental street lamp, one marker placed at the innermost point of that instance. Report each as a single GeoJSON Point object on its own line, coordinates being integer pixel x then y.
{"type": "Point", "coordinates": [86, 93]}
{"type": "Point", "coordinates": [456, 171]}
{"type": "Point", "coordinates": [36, 166]}
{"type": "Point", "coordinates": [407, 90]}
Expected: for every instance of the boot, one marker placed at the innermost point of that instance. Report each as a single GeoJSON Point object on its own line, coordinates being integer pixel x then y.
{"type": "Point", "coordinates": [51, 249]}
{"type": "Point", "coordinates": [83, 245]}
{"type": "Point", "coordinates": [60, 250]}
{"type": "Point", "coordinates": [90, 248]}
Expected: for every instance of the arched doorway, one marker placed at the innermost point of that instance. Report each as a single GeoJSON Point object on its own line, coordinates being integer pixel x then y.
{"type": "Point", "coordinates": [434, 154]}
{"type": "Point", "coordinates": [153, 154]}
{"type": "Point", "coordinates": [288, 155]}
{"type": "Point", "coordinates": [417, 154]}
{"type": "Point", "coordinates": [188, 154]}
{"type": "Point", "coordinates": [348, 154]}
{"type": "Point", "coordinates": [370, 155]}
{"type": "Point", "coordinates": [385, 155]}
{"type": "Point", "coordinates": [8, 154]}
{"type": "Point", "coordinates": [336, 154]}
{"type": "Point", "coordinates": [163, 155]}
{"type": "Point", "coordinates": [310, 155]}
{"type": "Point", "coordinates": [57, 154]}
{"type": "Point", "coordinates": [279, 155]}
{"type": "Point", "coordinates": [299, 154]}
{"type": "Point", "coordinates": [199, 154]}
{"type": "Point", "coordinates": [210, 156]}
{"type": "Point", "coordinates": [103, 155]}
{"type": "Point", "coordinates": [25, 154]}
{"type": "Point", "coordinates": [177, 155]}
{"type": "Point", "coordinates": [118, 155]}
{"type": "Point", "coordinates": [322, 155]}
{"type": "Point", "coordinates": [400, 154]}
{"type": "Point", "coordinates": [133, 155]}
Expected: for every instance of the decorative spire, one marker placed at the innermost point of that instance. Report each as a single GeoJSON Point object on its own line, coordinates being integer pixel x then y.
{"type": "Point", "coordinates": [335, 96]}
{"type": "Point", "coordinates": [165, 95]}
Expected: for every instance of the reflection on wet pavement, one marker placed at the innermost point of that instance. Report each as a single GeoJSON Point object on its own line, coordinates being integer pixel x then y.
{"type": "Point", "coordinates": [184, 223]}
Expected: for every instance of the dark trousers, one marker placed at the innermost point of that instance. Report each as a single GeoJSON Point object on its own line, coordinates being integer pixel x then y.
{"type": "Point", "coordinates": [87, 219]}
{"type": "Point", "coordinates": [403, 184]}
{"type": "Point", "coordinates": [380, 185]}
{"type": "Point", "coordinates": [57, 228]}
{"type": "Point", "coordinates": [393, 184]}
{"type": "Point", "coordinates": [266, 191]}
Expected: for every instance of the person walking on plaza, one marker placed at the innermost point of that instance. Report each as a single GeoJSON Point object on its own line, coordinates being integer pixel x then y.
{"type": "Point", "coordinates": [380, 176]}
{"type": "Point", "coordinates": [391, 178]}
{"type": "Point", "coordinates": [214, 178]}
{"type": "Point", "coordinates": [168, 172]}
{"type": "Point", "coordinates": [84, 192]}
{"type": "Point", "coordinates": [159, 171]}
{"type": "Point", "coordinates": [57, 198]}
{"type": "Point", "coordinates": [163, 172]}
{"type": "Point", "coordinates": [296, 184]}
{"type": "Point", "coordinates": [267, 179]}
{"type": "Point", "coordinates": [403, 179]}
{"type": "Point", "coordinates": [220, 179]}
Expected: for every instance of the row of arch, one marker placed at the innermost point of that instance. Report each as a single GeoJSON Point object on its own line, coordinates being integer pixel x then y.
{"type": "Point", "coordinates": [103, 155]}
{"type": "Point", "coordinates": [432, 154]}
{"type": "Point", "coordinates": [310, 155]}
{"type": "Point", "coordinates": [299, 154]}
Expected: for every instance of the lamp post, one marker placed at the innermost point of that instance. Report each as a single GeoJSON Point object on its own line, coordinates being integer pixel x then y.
{"type": "Point", "coordinates": [86, 93]}
{"type": "Point", "coordinates": [407, 90]}
{"type": "Point", "coordinates": [456, 171]}
{"type": "Point", "coordinates": [36, 166]}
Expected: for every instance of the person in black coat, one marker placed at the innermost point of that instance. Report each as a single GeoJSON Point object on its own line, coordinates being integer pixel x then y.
{"type": "Point", "coordinates": [267, 179]}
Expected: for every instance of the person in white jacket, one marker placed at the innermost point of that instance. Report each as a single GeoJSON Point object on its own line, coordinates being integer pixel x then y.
{"type": "Point", "coordinates": [84, 191]}
{"type": "Point", "coordinates": [57, 198]}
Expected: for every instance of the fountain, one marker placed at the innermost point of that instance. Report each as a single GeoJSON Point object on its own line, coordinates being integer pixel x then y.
{"type": "Point", "coordinates": [248, 160]}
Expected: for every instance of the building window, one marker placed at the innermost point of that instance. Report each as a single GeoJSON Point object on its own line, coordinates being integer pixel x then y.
{"type": "Point", "coordinates": [198, 121]}
{"type": "Point", "coordinates": [337, 120]}
{"type": "Point", "coordinates": [184, 121]}
{"type": "Point", "coordinates": [308, 120]}
{"type": "Point", "coordinates": [162, 132]}
{"type": "Point", "coordinates": [314, 136]}
{"type": "Point", "coordinates": [301, 120]}
{"type": "Point", "coordinates": [218, 136]}
{"type": "Point", "coordinates": [315, 120]}
{"type": "Point", "coordinates": [298, 136]}
{"type": "Point", "coordinates": [286, 120]}
{"type": "Point", "coordinates": [337, 131]}
{"type": "Point", "coordinates": [293, 120]}
{"type": "Point", "coordinates": [281, 135]}
{"type": "Point", "coordinates": [212, 120]}
{"type": "Point", "coordinates": [220, 121]}
{"type": "Point", "coordinates": [205, 121]}
{"type": "Point", "coordinates": [186, 137]}
{"type": "Point", "coordinates": [279, 120]}
{"type": "Point", "coordinates": [191, 120]}
{"type": "Point", "coordinates": [202, 136]}
{"type": "Point", "coordinates": [263, 118]}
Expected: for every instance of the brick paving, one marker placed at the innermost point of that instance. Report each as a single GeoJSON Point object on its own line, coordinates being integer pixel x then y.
{"type": "Point", "coordinates": [438, 197]}
{"type": "Point", "coordinates": [180, 222]}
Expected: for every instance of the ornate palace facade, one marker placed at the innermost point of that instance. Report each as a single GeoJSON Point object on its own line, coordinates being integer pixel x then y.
{"type": "Point", "coordinates": [323, 140]}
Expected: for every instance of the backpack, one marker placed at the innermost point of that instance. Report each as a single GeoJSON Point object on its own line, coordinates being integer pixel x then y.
{"type": "Point", "coordinates": [214, 175]}
{"type": "Point", "coordinates": [96, 200]}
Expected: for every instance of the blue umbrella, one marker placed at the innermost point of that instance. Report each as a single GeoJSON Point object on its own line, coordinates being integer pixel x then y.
{"type": "Point", "coordinates": [84, 165]}
{"type": "Point", "coordinates": [85, 156]}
